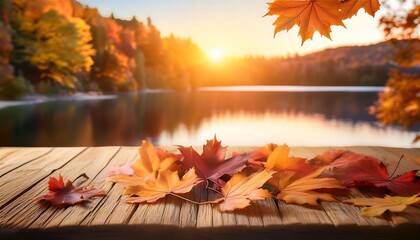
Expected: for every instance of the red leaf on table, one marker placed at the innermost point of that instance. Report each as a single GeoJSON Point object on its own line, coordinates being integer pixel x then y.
{"type": "Point", "coordinates": [62, 195]}
{"type": "Point", "coordinates": [211, 164]}
{"type": "Point", "coordinates": [354, 169]}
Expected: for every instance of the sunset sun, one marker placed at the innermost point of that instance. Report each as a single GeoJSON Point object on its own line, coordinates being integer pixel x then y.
{"type": "Point", "coordinates": [216, 55]}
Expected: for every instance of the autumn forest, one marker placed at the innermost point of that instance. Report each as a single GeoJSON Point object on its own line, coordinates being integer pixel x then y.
{"type": "Point", "coordinates": [62, 47]}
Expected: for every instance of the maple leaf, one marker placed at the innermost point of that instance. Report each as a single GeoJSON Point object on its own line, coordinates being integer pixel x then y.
{"type": "Point", "coordinates": [259, 156]}
{"type": "Point", "coordinates": [377, 206]}
{"type": "Point", "coordinates": [303, 190]}
{"type": "Point", "coordinates": [211, 164]}
{"type": "Point", "coordinates": [62, 195]}
{"type": "Point", "coordinates": [350, 8]}
{"type": "Point", "coordinates": [279, 160]}
{"type": "Point", "coordinates": [309, 15]}
{"type": "Point", "coordinates": [354, 169]}
{"type": "Point", "coordinates": [240, 190]}
{"type": "Point", "coordinates": [166, 183]}
{"type": "Point", "coordinates": [149, 163]}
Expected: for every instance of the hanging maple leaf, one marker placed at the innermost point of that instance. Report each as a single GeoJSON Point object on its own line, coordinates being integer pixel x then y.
{"type": "Point", "coordinates": [316, 15]}
{"type": "Point", "coordinates": [167, 182]}
{"type": "Point", "coordinates": [354, 169]}
{"type": "Point", "coordinates": [303, 190]}
{"type": "Point", "coordinates": [211, 164]}
{"type": "Point", "coordinates": [240, 190]}
{"type": "Point", "coordinates": [350, 8]}
{"type": "Point", "coordinates": [279, 160]}
{"type": "Point", "coordinates": [309, 15]}
{"type": "Point", "coordinates": [62, 195]}
{"type": "Point", "coordinates": [377, 206]}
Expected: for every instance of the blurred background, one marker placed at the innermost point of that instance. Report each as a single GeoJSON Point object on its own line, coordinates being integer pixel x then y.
{"type": "Point", "coordinates": [98, 73]}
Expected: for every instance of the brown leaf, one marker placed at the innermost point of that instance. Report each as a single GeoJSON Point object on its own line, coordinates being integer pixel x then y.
{"type": "Point", "coordinates": [62, 195]}
{"type": "Point", "coordinates": [240, 190]}
{"type": "Point", "coordinates": [377, 206]}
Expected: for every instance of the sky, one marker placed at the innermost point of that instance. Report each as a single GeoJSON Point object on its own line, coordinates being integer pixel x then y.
{"type": "Point", "coordinates": [236, 27]}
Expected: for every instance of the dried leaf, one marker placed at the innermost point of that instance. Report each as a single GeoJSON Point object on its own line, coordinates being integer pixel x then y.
{"type": "Point", "coordinates": [303, 190]}
{"type": "Point", "coordinates": [211, 164]}
{"type": "Point", "coordinates": [149, 163]}
{"type": "Point", "coordinates": [62, 195]}
{"type": "Point", "coordinates": [279, 160]}
{"type": "Point", "coordinates": [377, 206]}
{"type": "Point", "coordinates": [240, 190]}
{"type": "Point", "coordinates": [259, 156]}
{"type": "Point", "coordinates": [167, 182]}
{"type": "Point", "coordinates": [355, 170]}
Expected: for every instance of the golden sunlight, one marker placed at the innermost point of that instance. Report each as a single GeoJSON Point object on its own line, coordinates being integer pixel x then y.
{"type": "Point", "coordinates": [216, 55]}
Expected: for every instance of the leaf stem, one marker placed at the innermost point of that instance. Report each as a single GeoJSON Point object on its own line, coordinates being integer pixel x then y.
{"type": "Point", "coordinates": [189, 200]}
{"type": "Point", "coordinates": [214, 190]}
{"type": "Point", "coordinates": [396, 167]}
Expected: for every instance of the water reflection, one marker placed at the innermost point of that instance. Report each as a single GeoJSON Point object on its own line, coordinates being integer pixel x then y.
{"type": "Point", "coordinates": [167, 118]}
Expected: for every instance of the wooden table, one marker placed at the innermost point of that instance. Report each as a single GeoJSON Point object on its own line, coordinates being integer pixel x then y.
{"type": "Point", "coordinates": [24, 173]}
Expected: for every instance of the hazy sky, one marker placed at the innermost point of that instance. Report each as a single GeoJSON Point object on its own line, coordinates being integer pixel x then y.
{"type": "Point", "coordinates": [237, 26]}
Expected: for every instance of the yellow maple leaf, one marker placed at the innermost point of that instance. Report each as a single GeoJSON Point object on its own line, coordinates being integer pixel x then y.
{"type": "Point", "coordinates": [302, 190]}
{"type": "Point", "coordinates": [377, 206]}
{"type": "Point", "coordinates": [350, 8]}
{"type": "Point", "coordinates": [166, 183]}
{"type": "Point", "coordinates": [240, 190]}
{"type": "Point", "coordinates": [309, 15]}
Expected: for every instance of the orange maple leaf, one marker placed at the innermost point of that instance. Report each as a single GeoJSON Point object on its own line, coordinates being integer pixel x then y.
{"type": "Point", "coordinates": [166, 183]}
{"type": "Point", "coordinates": [309, 15]}
{"type": "Point", "coordinates": [303, 190]}
{"type": "Point", "coordinates": [149, 163]}
{"type": "Point", "coordinates": [279, 160]}
{"type": "Point", "coordinates": [349, 8]}
{"type": "Point", "coordinates": [377, 206]}
{"type": "Point", "coordinates": [240, 190]}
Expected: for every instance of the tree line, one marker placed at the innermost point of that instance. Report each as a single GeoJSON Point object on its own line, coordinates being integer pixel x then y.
{"type": "Point", "coordinates": [63, 47]}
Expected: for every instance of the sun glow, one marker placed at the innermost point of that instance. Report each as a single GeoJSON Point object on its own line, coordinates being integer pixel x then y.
{"type": "Point", "coordinates": [216, 55]}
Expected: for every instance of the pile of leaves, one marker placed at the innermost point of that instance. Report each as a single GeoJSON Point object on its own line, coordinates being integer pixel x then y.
{"type": "Point", "coordinates": [268, 172]}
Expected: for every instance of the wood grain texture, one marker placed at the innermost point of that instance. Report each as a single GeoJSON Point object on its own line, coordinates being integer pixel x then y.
{"type": "Point", "coordinates": [24, 174]}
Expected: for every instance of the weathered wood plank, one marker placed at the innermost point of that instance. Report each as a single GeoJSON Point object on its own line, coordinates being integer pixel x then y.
{"type": "Point", "coordinates": [24, 185]}
{"type": "Point", "coordinates": [91, 162]}
{"type": "Point", "coordinates": [26, 176]}
{"type": "Point", "coordinates": [16, 159]}
{"type": "Point", "coordinates": [109, 204]}
{"type": "Point", "coordinates": [6, 151]}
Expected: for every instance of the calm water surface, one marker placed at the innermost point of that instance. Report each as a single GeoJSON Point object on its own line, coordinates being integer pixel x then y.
{"type": "Point", "coordinates": [250, 116]}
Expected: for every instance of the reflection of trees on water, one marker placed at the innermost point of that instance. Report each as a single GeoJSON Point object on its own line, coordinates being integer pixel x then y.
{"type": "Point", "coordinates": [130, 118]}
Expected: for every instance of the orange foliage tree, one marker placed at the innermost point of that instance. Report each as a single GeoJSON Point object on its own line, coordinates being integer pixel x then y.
{"type": "Point", "coordinates": [400, 102]}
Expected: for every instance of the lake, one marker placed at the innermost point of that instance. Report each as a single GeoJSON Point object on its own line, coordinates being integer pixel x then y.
{"type": "Point", "coordinates": [245, 116]}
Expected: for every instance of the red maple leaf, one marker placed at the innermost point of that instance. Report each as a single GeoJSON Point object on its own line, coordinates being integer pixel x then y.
{"type": "Point", "coordinates": [354, 169]}
{"type": "Point", "coordinates": [62, 195]}
{"type": "Point", "coordinates": [211, 164]}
